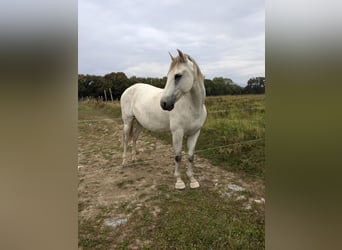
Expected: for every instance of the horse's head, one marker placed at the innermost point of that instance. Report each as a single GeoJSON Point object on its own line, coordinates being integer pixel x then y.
{"type": "Point", "coordinates": [180, 79]}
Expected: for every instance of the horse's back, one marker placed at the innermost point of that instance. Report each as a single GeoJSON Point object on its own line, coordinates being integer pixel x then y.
{"type": "Point", "coordinates": [139, 92]}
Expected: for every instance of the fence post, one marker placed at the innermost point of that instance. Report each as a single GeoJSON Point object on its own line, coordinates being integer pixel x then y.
{"type": "Point", "coordinates": [105, 94]}
{"type": "Point", "coordinates": [110, 92]}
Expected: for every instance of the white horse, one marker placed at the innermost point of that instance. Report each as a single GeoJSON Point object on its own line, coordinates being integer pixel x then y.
{"type": "Point", "coordinates": [178, 108]}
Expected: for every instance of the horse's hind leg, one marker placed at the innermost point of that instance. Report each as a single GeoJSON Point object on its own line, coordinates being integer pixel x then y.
{"type": "Point", "coordinates": [137, 131]}
{"type": "Point", "coordinates": [192, 140]}
{"type": "Point", "coordinates": [127, 130]}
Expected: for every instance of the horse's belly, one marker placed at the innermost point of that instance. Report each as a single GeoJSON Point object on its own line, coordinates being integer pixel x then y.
{"type": "Point", "coordinates": [145, 107]}
{"type": "Point", "coordinates": [153, 123]}
{"type": "Point", "coordinates": [152, 117]}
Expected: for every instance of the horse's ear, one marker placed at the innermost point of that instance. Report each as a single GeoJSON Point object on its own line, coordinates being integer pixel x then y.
{"type": "Point", "coordinates": [172, 58]}
{"type": "Point", "coordinates": [181, 56]}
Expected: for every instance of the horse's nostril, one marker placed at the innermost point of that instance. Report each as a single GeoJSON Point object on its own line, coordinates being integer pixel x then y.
{"type": "Point", "coordinates": [167, 103]}
{"type": "Point", "coordinates": [163, 104]}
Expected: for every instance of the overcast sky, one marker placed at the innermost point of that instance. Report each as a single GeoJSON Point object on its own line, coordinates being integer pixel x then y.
{"type": "Point", "coordinates": [225, 37]}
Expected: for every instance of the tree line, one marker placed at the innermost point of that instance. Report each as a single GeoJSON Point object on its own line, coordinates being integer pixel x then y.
{"type": "Point", "coordinates": [94, 86]}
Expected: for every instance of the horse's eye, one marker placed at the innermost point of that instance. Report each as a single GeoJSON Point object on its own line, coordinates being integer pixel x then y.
{"type": "Point", "coordinates": [177, 77]}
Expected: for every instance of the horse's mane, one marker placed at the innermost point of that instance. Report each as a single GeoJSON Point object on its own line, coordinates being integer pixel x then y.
{"type": "Point", "coordinates": [177, 60]}
{"type": "Point", "coordinates": [198, 70]}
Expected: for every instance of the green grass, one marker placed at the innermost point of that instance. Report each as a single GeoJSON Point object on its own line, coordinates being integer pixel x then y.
{"type": "Point", "coordinates": [89, 110]}
{"type": "Point", "coordinates": [199, 219]}
{"type": "Point", "coordinates": [93, 234]}
{"type": "Point", "coordinates": [242, 121]}
{"type": "Point", "coordinates": [192, 219]}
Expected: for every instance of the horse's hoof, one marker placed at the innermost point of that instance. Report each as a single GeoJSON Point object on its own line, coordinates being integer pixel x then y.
{"type": "Point", "coordinates": [194, 184]}
{"type": "Point", "coordinates": [180, 185]}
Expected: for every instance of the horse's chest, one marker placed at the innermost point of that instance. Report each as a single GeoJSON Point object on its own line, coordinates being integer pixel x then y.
{"type": "Point", "coordinates": [193, 125]}
{"type": "Point", "coordinates": [189, 123]}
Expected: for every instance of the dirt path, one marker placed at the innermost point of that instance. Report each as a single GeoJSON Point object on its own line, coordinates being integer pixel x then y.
{"type": "Point", "coordinates": [103, 183]}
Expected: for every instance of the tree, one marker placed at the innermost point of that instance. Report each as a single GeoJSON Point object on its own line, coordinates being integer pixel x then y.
{"type": "Point", "coordinates": [255, 85]}
{"type": "Point", "coordinates": [90, 85]}
{"type": "Point", "coordinates": [94, 86]}
{"type": "Point", "coordinates": [118, 82]}
{"type": "Point", "coordinates": [82, 81]}
{"type": "Point", "coordinates": [235, 89]}
{"type": "Point", "coordinates": [208, 84]}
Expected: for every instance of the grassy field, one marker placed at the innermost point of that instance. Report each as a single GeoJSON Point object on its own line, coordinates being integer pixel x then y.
{"type": "Point", "coordinates": [183, 223]}
{"type": "Point", "coordinates": [232, 138]}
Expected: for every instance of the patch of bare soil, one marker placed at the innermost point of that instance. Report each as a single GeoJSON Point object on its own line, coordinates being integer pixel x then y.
{"type": "Point", "coordinates": [104, 183]}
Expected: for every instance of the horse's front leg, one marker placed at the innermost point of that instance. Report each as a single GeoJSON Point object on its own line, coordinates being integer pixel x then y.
{"type": "Point", "coordinates": [192, 140]}
{"type": "Point", "coordinates": [177, 138]}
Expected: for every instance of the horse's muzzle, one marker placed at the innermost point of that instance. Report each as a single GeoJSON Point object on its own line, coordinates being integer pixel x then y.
{"type": "Point", "coordinates": [167, 103]}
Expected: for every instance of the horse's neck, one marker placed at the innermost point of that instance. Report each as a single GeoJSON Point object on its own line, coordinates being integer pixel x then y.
{"type": "Point", "coordinates": [197, 94]}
